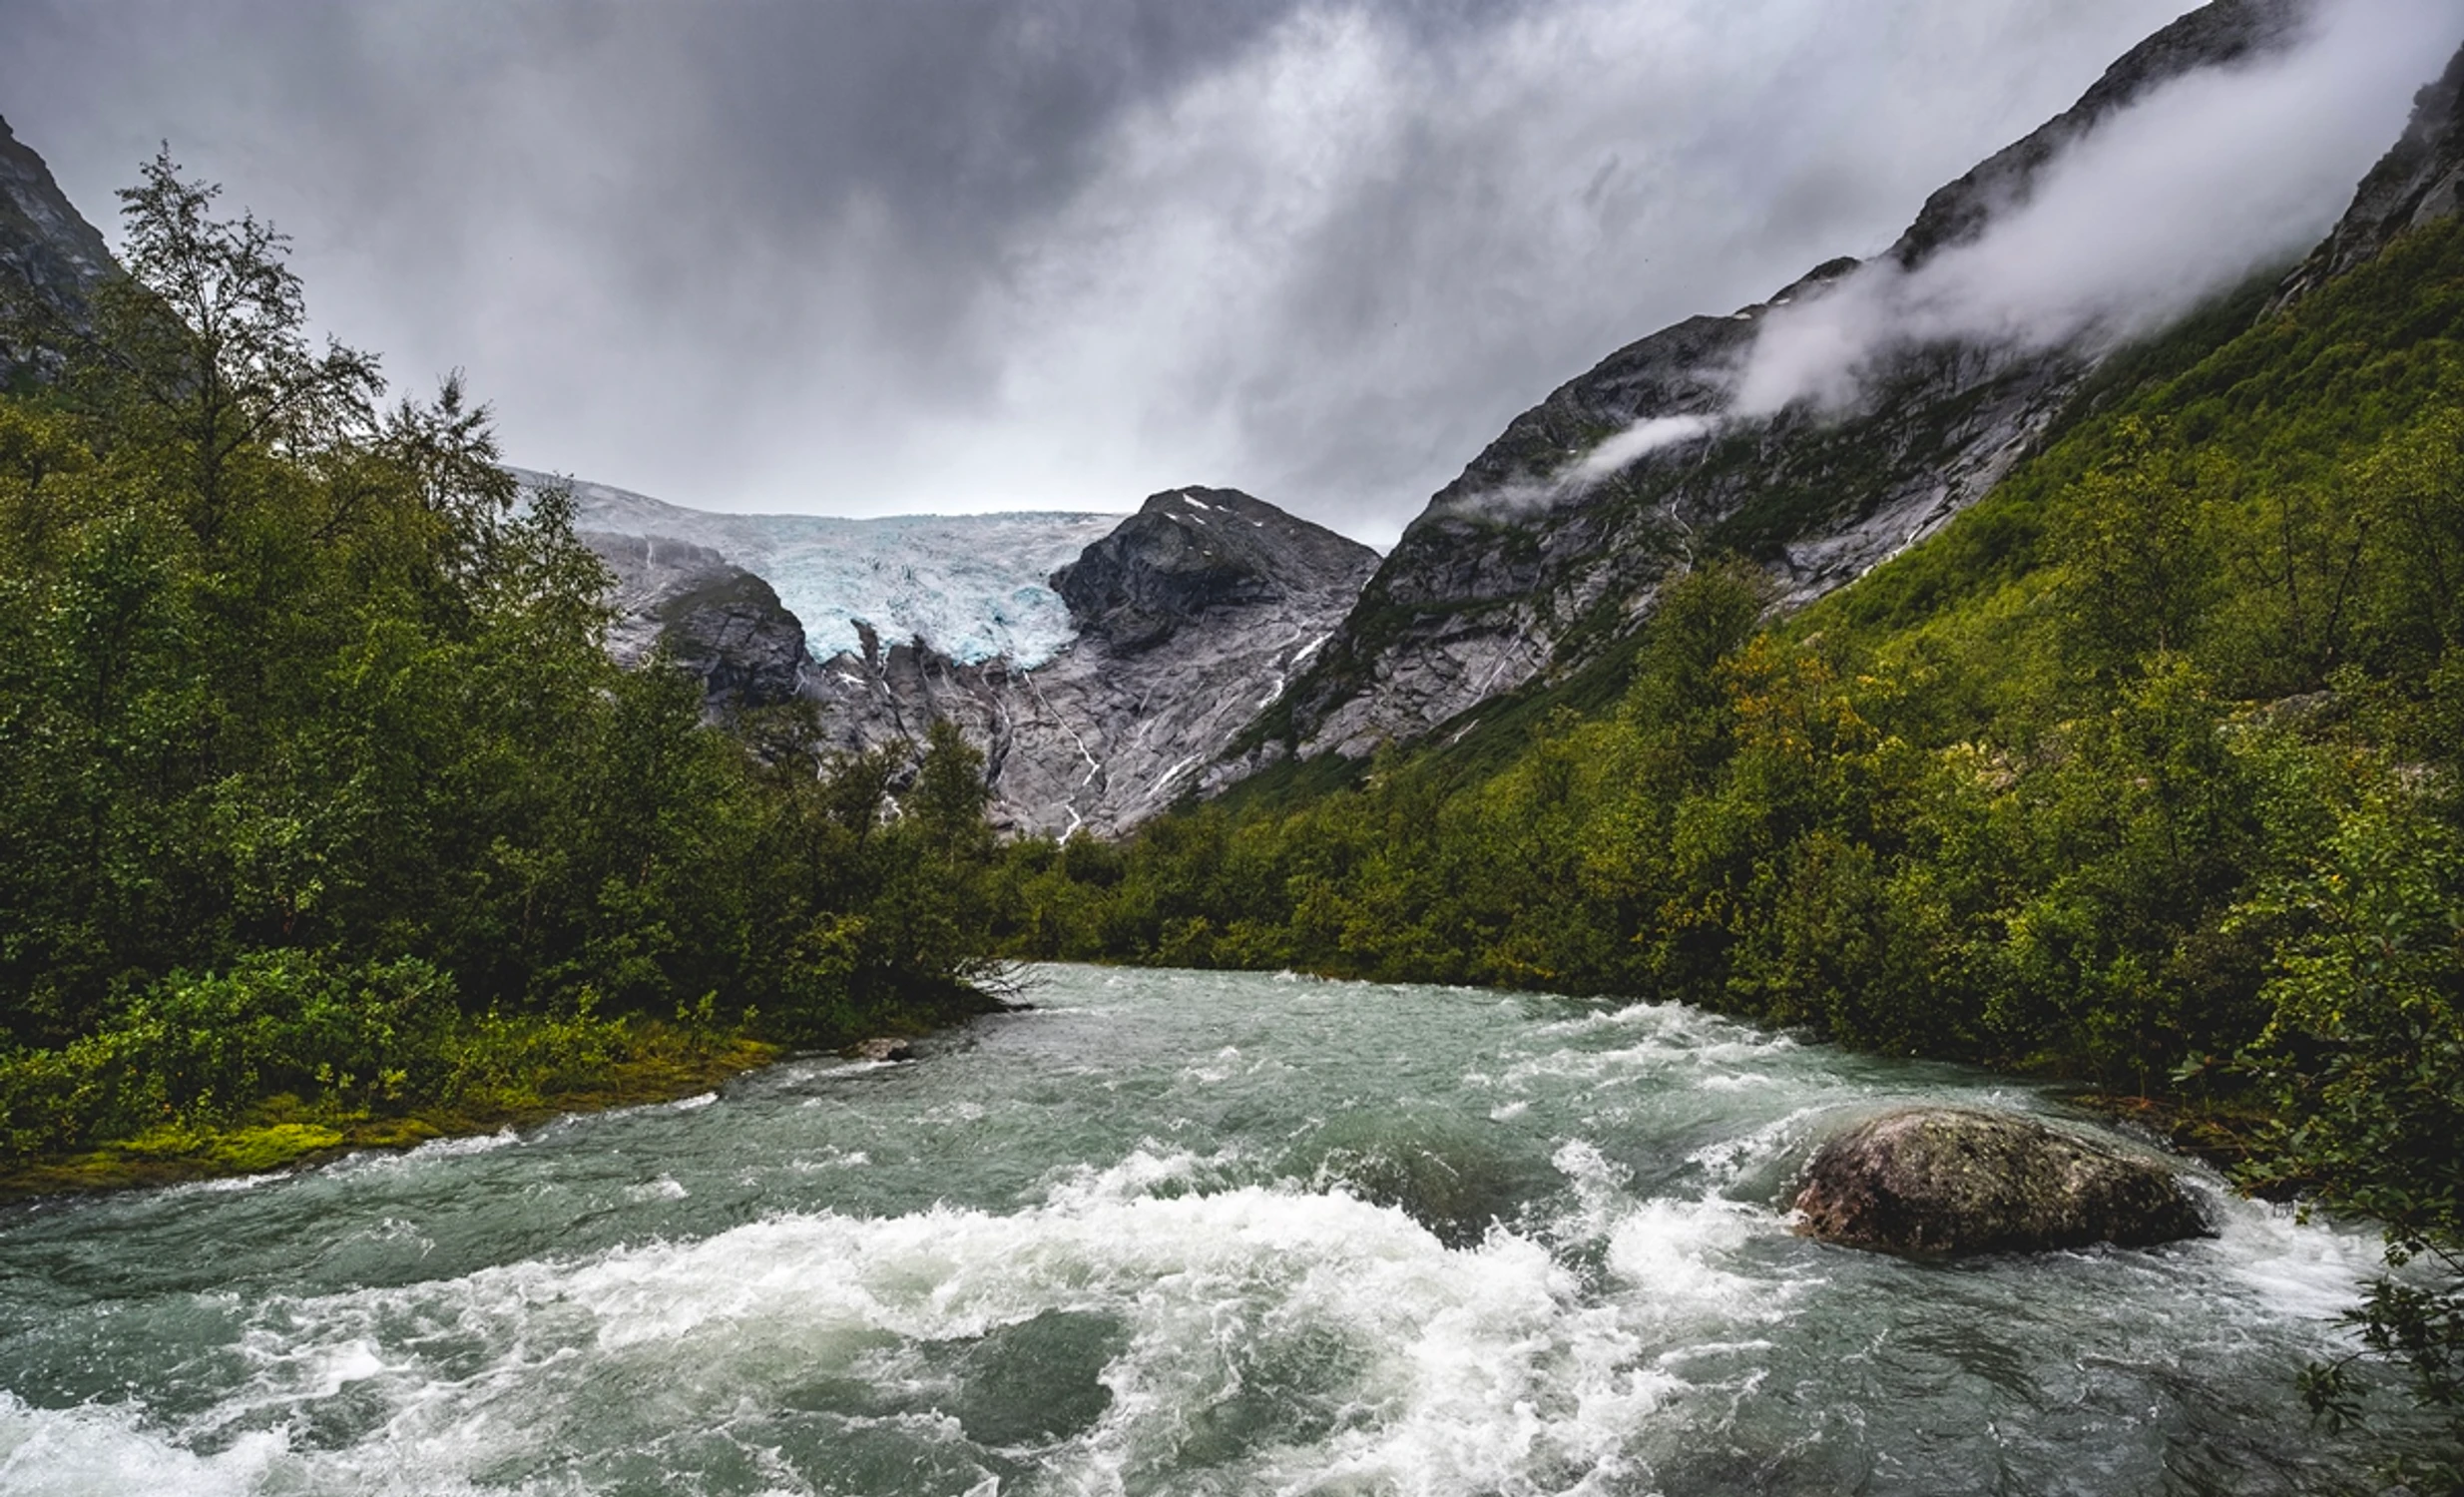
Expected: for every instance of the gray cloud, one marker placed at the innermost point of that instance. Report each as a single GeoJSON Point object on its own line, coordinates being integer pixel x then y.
{"type": "Point", "coordinates": [865, 258]}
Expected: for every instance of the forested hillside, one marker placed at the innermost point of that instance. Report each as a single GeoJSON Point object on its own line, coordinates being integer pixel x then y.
{"type": "Point", "coordinates": [2143, 774]}
{"type": "Point", "coordinates": [323, 813]}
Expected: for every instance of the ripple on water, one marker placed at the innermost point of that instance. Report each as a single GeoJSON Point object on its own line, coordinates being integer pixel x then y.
{"type": "Point", "coordinates": [1315, 1238]}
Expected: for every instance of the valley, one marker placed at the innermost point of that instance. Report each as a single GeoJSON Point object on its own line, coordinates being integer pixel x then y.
{"type": "Point", "coordinates": [968, 1002]}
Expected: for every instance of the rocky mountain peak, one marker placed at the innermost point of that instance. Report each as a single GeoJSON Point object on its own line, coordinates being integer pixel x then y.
{"type": "Point", "coordinates": [2219, 34]}
{"type": "Point", "coordinates": [48, 252]}
{"type": "Point", "coordinates": [714, 618]}
{"type": "Point", "coordinates": [1182, 623]}
{"type": "Point", "coordinates": [1553, 542]}
{"type": "Point", "coordinates": [1189, 552]}
{"type": "Point", "coordinates": [2419, 181]}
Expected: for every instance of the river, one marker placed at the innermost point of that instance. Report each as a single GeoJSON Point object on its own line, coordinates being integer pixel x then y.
{"type": "Point", "coordinates": [1169, 1232]}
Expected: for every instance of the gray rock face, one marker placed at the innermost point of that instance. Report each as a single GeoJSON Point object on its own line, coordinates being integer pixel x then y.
{"type": "Point", "coordinates": [1531, 562]}
{"type": "Point", "coordinates": [1192, 615]}
{"type": "Point", "coordinates": [49, 253]}
{"type": "Point", "coordinates": [716, 620]}
{"type": "Point", "coordinates": [2420, 182]}
{"type": "Point", "coordinates": [1195, 615]}
{"type": "Point", "coordinates": [2219, 34]}
{"type": "Point", "coordinates": [1196, 552]}
{"type": "Point", "coordinates": [1944, 1182]}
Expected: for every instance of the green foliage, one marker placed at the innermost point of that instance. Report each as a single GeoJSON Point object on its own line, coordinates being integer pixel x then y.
{"type": "Point", "coordinates": [315, 779]}
{"type": "Point", "coordinates": [2363, 1057]}
{"type": "Point", "coordinates": [2047, 791]}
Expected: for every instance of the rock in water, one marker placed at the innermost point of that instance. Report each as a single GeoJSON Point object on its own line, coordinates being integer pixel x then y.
{"type": "Point", "coordinates": [1943, 1181]}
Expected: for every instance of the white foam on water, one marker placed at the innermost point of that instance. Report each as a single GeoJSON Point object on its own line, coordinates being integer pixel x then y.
{"type": "Point", "coordinates": [1598, 1187]}
{"type": "Point", "coordinates": [1445, 1370]}
{"type": "Point", "coordinates": [1729, 1159]}
{"type": "Point", "coordinates": [1671, 1252]}
{"type": "Point", "coordinates": [92, 1452]}
{"type": "Point", "coordinates": [1663, 1042]}
{"type": "Point", "coordinates": [427, 1153]}
{"type": "Point", "coordinates": [1222, 1066]}
{"type": "Point", "coordinates": [832, 1158]}
{"type": "Point", "coordinates": [226, 1185]}
{"type": "Point", "coordinates": [2297, 1270]}
{"type": "Point", "coordinates": [1680, 1023]}
{"type": "Point", "coordinates": [1651, 1059]}
{"type": "Point", "coordinates": [1150, 1169]}
{"type": "Point", "coordinates": [1738, 1082]}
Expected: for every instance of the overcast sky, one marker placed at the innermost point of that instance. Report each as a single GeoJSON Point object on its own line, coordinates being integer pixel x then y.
{"type": "Point", "coordinates": [871, 256]}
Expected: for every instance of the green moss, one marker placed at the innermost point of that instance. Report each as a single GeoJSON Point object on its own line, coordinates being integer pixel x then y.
{"type": "Point", "coordinates": [660, 1063]}
{"type": "Point", "coordinates": [395, 1133]}
{"type": "Point", "coordinates": [248, 1150]}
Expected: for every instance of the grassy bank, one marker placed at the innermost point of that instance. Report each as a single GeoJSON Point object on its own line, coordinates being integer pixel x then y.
{"type": "Point", "coordinates": [541, 1073]}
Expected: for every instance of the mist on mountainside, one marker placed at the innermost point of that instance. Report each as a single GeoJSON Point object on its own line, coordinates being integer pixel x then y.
{"type": "Point", "coordinates": [2167, 202]}
{"type": "Point", "coordinates": [2187, 192]}
{"type": "Point", "coordinates": [956, 255]}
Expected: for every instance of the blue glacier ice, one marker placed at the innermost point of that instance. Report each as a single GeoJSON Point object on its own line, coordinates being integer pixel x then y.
{"type": "Point", "coordinates": [971, 586]}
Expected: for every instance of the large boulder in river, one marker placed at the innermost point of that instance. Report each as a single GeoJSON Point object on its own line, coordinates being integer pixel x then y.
{"type": "Point", "coordinates": [1941, 1182]}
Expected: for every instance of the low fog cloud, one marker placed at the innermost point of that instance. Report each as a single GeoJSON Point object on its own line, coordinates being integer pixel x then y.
{"type": "Point", "coordinates": [1639, 440]}
{"type": "Point", "coordinates": [2210, 179]}
{"type": "Point", "coordinates": [860, 257]}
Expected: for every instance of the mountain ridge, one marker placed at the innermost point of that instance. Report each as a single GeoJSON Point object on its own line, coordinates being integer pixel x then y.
{"type": "Point", "coordinates": [1513, 572]}
{"type": "Point", "coordinates": [1193, 615]}
{"type": "Point", "coordinates": [1183, 619]}
{"type": "Point", "coordinates": [48, 252]}
{"type": "Point", "coordinates": [2420, 181]}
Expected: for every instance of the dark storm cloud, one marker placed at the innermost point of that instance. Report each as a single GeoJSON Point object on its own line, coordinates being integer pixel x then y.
{"type": "Point", "coordinates": [885, 255]}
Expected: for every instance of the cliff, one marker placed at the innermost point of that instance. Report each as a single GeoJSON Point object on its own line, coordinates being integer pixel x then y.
{"type": "Point", "coordinates": [1193, 616]}
{"type": "Point", "coordinates": [1554, 541]}
{"type": "Point", "coordinates": [51, 258]}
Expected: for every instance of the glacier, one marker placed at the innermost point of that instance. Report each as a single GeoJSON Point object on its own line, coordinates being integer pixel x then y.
{"type": "Point", "coordinates": [973, 587]}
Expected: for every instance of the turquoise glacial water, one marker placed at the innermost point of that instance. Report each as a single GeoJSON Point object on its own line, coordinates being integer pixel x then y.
{"type": "Point", "coordinates": [1169, 1232]}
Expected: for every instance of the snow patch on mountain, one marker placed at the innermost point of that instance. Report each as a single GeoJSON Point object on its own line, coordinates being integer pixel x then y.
{"type": "Point", "coordinates": [973, 587]}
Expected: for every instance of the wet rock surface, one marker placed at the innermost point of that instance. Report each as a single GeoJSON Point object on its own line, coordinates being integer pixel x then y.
{"type": "Point", "coordinates": [1192, 552]}
{"type": "Point", "coordinates": [1949, 1181]}
{"type": "Point", "coordinates": [2419, 181]}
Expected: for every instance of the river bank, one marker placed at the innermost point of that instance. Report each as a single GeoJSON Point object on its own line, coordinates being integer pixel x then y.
{"type": "Point", "coordinates": [662, 1063]}
{"type": "Point", "coordinates": [668, 1061]}
{"type": "Point", "coordinates": [1188, 1231]}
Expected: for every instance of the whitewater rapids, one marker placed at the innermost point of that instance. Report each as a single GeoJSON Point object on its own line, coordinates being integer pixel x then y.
{"type": "Point", "coordinates": [1169, 1232]}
